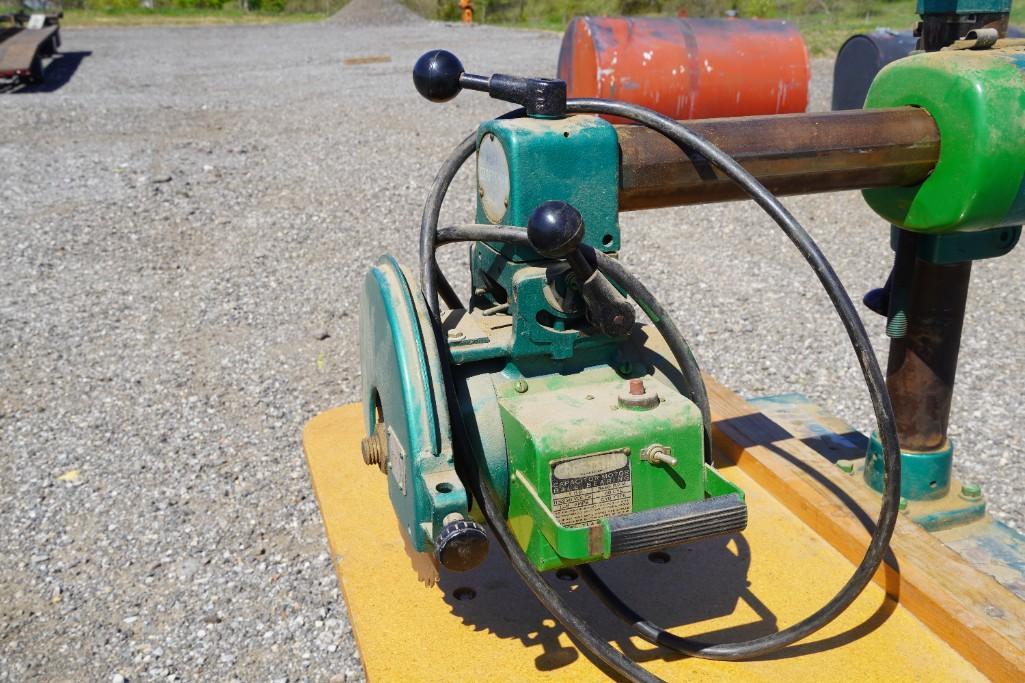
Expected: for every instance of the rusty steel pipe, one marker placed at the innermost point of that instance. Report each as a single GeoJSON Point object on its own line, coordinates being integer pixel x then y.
{"type": "Point", "coordinates": [923, 363]}
{"type": "Point", "coordinates": [790, 154]}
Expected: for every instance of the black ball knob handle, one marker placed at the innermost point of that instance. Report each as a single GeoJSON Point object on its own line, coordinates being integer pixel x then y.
{"type": "Point", "coordinates": [555, 229]}
{"type": "Point", "coordinates": [436, 75]}
{"type": "Point", "coordinates": [461, 545]}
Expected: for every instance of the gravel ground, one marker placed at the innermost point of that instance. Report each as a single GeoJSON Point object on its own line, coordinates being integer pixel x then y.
{"type": "Point", "coordinates": [183, 227]}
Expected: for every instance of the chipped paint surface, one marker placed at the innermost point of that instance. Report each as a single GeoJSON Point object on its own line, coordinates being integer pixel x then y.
{"type": "Point", "coordinates": [688, 68]}
{"type": "Point", "coordinates": [989, 545]}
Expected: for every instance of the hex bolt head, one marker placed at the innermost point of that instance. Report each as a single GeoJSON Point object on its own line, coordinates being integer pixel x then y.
{"type": "Point", "coordinates": [637, 387]}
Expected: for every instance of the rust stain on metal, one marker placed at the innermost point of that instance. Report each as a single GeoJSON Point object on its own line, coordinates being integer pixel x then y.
{"type": "Point", "coordinates": [373, 59]}
{"type": "Point", "coordinates": [19, 46]}
{"type": "Point", "coordinates": [790, 154]}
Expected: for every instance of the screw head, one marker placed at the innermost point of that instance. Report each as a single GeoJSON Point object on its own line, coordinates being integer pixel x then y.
{"type": "Point", "coordinates": [971, 491]}
{"type": "Point", "coordinates": [455, 335]}
{"type": "Point", "coordinates": [520, 386]}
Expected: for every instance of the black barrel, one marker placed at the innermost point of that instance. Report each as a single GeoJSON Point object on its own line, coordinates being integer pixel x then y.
{"type": "Point", "coordinates": [864, 55]}
{"type": "Point", "coordinates": [861, 58]}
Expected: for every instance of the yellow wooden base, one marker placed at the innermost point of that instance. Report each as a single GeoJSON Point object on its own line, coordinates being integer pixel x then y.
{"type": "Point", "coordinates": [484, 625]}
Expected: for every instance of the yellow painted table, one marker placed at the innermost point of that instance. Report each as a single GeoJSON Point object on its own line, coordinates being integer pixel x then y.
{"type": "Point", "coordinates": [484, 625]}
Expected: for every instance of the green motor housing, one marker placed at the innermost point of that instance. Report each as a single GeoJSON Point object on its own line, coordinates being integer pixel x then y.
{"type": "Point", "coordinates": [589, 440]}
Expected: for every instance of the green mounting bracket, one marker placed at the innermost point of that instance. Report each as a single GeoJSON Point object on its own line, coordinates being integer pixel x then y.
{"type": "Point", "coordinates": [958, 247]}
{"type": "Point", "coordinates": [923, 475]}
{"type": "Point", "coordinates": [925, 486]}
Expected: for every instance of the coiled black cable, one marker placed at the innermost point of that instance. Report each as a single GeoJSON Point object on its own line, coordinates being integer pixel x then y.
{"type": "Point", "coordinates": [874, 554]}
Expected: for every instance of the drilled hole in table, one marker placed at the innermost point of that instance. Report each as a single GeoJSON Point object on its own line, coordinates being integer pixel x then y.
{"type": "Point", "coordinates": [464, 593]}
{"type": "Point", "coordinates": [567, 574]}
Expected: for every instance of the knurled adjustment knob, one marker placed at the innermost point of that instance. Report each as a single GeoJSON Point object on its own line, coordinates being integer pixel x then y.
{"type": "Point", "coordinates": [461, 545]}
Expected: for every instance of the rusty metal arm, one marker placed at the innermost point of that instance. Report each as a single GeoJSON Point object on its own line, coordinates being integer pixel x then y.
{"type": "Point", "coordinates": [790, 154]}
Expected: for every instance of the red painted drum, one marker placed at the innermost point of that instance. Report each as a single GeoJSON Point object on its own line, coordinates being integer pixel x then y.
{"type": "Point", "coordinates": [688, 68]}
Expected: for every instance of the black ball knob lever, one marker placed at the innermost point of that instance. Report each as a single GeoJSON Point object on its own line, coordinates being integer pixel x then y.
{"type": "Point", "coordinates": [555, 230]}
{"type": "Point", "coordinates": [436, 75]}
{"type": "Point", "coordinates": [439, 76]}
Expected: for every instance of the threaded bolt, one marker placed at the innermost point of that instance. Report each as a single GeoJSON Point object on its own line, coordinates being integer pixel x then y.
{"type": "Point", "coordinates": [373, 446]}
{"type": "Point", "coordinates": [637, 387]}
{"type": "Point", "coordinates": [897, 326]}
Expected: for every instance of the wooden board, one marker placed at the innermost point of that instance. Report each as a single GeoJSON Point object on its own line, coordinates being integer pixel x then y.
{"type": "Point", "coordinates": [977, 616]}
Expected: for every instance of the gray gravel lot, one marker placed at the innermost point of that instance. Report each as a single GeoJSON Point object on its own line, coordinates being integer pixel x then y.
{"type": "Point", "coordinates": [183, 228]}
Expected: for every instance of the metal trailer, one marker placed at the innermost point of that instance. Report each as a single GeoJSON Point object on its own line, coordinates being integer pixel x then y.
{"type": "Point", "coordinates": [27, 37]}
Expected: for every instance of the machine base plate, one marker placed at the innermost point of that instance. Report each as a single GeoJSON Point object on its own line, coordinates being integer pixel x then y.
{"type": "Point", "coordinates": [484, 625]}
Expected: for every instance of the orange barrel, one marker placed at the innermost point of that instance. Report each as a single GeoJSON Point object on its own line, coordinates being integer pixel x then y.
{"type": "Point", "coordinates": [688, 68]}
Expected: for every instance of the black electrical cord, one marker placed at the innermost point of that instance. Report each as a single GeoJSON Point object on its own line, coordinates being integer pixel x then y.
{"type": "Point", "coordinates": [578, 629]}
{"type": "Point", "coordinates": [693, 143]}
{"type": "Point", "coordinates": [429, 271]}
{"type": "Point", "coordinates": [432, 280]}
{"type": "Point", "coordinates": [873, 376]}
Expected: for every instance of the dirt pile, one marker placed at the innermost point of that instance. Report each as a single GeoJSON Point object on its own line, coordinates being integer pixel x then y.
{"type": "Point", "coordinates": [375, 13]}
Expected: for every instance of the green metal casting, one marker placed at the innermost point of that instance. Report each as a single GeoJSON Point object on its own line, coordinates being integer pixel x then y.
{"type": "Point", "coordinates": [564, 417]}
{"type": "Point", "coordinates": [923, 476]}
{"type": "Point", "coordinates": [978, 102]}
{"type": "Point", "coordinates": [539, 390]}
{"type": "Point", "coordinates": [963, 246]}
{"type": "Point", "coordinates": [575, 159]}
{"type": "Point", "coordinates": [401, 374]}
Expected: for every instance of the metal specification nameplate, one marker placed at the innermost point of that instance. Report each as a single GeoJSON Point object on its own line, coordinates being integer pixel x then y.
{"type": "Point", "coordinates": [589, 487]}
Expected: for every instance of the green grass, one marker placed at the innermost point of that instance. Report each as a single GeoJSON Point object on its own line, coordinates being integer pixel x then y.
{"type": "Point", "coordinates": [78, 18]}
{"type": "Point", "coordinates": [824, 31]}
{"type": "Point", "coordinates": [825, 24]}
